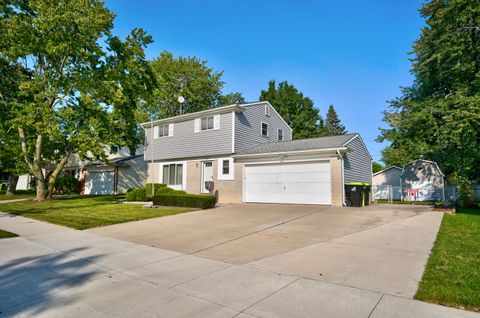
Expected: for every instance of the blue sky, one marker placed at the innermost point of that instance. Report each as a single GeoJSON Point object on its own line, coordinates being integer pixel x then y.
{"type": "Point", "coordinates": [352, 54]}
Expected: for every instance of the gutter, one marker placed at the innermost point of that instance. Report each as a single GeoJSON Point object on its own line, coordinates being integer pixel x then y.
{"type": "Point", "coordinates": [294, 152]}
{"type": "Point", "coordinates": [343, 179]}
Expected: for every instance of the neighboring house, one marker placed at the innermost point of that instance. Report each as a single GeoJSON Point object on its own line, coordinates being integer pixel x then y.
{"type": "Point", "coordinates": [247, 151]}
{"type": "Point", "coordinates": [387, 183]}
{"type": "Point", "coordinates": [120, 172]}
{"type": "Point", "coordinates": [422, 180]}
{"type": "Point", "coordinates": [24, 182]}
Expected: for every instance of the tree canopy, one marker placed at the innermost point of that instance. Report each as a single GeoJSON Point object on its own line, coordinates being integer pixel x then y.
{"type": "Point", "coordinates": [376, 167]}
{"type": "Point", "coordinates": [300, 113]}
{"type": "Point", "coordinates": [297, 110]}
{"type": "Point", "coordinates": [438, 117]}
{"type": "Point", "coordinates": [61, 52]}
{"type": "Point", "coordinates": [189, 77]}
{"type": "Point", "coordinates": [231, 98]}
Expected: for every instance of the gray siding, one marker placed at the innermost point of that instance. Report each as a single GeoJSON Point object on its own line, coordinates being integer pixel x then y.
{"type": "Point", "coordinates": [357, 163]}
{"type": "Point", "coordinates": [185, 143]}
{"type": "Point", "coordinates": [248, 131]}
{"type": "Point", "coordinates": [134, 176]}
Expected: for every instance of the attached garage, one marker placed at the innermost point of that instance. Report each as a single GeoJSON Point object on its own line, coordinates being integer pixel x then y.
{"type": "Point", "coordinates": [299, 183]}
{"type": "Point", "coordinates": [100, 182]}
{"type": "Point", "coordinates": [304, 171]}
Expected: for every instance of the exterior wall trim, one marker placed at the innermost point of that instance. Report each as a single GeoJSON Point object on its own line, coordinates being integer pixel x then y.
{"type": "Point", "coordinates": [234, 118]}
{"type": "Point", "coordinates": [184, 174]}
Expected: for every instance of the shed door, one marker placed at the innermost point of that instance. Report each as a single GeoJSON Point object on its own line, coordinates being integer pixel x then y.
{"type": "Point", "coordinates": [99, 182]}
{"type": "Point", "coordinates": [300, 183]}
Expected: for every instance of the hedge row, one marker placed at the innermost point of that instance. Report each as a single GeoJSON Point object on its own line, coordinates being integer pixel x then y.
{"type": "Point", "coordinates": [136, 194]}
{"type": "Point", "coordinates": [185, 200]}
{"type": "Point", "coordinates": [145, 194]}
{"type": "Point", "coordinates": [156, 187]}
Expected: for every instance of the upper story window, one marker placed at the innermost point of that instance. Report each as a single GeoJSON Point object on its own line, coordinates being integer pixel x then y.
{"type": "Point", "coordinates": [162, 131]}
{"type": "Point", "coordinates": [267, 110]}
{"type": "Point", "coordinates": [207, 123]}
{"type": "Point", "coordinates": [264, 129]}
{"type": "Point", "coordinates": [280, 135]}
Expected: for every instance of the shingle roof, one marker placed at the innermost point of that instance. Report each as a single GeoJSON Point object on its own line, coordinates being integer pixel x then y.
{"type": "Point", "coordinates": [300, 144]}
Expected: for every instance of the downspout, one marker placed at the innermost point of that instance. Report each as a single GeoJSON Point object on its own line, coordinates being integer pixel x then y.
{"type": "Point", "coordinates": [343, 177]}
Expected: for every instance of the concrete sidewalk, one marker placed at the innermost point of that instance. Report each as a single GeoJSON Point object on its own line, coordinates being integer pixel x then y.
{"type": "Point", "coordinates": [52, 271]}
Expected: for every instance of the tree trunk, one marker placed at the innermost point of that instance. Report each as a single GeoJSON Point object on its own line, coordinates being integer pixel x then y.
{"type": "Point", "coordinates": [12, 185]}
{"type": "Point", "coordinates": [52, 179]}
{"type": "Point", "coordinates": [41, 190]}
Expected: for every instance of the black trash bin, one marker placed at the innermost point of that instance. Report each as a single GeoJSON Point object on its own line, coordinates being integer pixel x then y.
{"type": "Point", "coordinates": [357, 194]}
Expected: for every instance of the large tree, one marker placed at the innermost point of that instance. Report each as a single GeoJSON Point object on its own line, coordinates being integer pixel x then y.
{"type": "Point", "coordinates": [231, 98]}
{"type": "Point", "coordinates": [60, 108]}
{"type": "Point", "coordinates": [438, 117]}
{"type": "Point", "coordinates": [297, 110]}
{"type": "Point", "coordinates": [333, 126]}
{"type": "Point", "coordinates": [11, 161]}
{"type": "Point", "coordinates": [188, 77]}
{"type": "Point", "coordinates": [128, 85]}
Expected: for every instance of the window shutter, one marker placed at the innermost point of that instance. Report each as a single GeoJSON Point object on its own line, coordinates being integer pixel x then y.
{"type": "Point", "coordinates": [197, 125]}
{"type": "Point", "coordinates": [170, 129]}
{"type": "Point", "coordinates": [156, 131]}
{"type": "Point", "coordinates": [216, 122]}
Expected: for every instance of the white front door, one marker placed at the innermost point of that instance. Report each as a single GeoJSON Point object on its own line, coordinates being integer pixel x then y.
{"type": "Point", "coordinates": [301, 183]}
{"type": "Point", "coordinates": [207, 174]}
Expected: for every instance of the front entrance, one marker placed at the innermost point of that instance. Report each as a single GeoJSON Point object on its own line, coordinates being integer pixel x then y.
{"type": "Point", "coordinates": [207, 174]}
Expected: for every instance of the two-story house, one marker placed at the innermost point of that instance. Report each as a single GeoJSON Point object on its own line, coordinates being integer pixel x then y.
{"type": "Point", "coordinates": [248, 152]}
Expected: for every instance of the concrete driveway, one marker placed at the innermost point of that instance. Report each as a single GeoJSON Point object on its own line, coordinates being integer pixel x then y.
{"type": "Point", "coordinates": [379, 248]}
{"type": "Point", "coordinates": [53, 271]}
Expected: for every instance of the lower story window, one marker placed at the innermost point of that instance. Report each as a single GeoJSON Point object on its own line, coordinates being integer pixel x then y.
{"type": "Point", "coordinates": [173, 174]}
{"type": "Point", "coordinates": [226, 166]}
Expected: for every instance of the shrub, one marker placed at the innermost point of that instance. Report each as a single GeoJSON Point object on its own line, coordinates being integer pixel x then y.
{"type": "Point", "coordinates": [131, 194]}
{"type": "Point", "coordinates": [185, 200]}
{"type": "Point", "coordinates": [68, 184]}
{"type": "Point", "coordinates": [164, 190]}
{"type": "Point", "coordinates": [156, 186]}
{"type": "Point", "coordinates": [140, 195]}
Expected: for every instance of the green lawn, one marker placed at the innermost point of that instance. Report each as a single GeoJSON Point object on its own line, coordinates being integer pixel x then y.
{"type": "Point", "coordinates": [16, 196]}
{"type": "Point", "coordinates": [5, 234]}
{"type": "Point", "coordinates": [20, 194]}
{"type": "Point", "coordinates": [85, 213]}
{"type": "Point", "coordinates": [452, 275]}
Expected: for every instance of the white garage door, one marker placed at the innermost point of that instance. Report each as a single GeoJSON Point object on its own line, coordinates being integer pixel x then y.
{"type": "Point", "coordinates": [99, 182]}
{"type": "Point", "coordinates": [302, 183]}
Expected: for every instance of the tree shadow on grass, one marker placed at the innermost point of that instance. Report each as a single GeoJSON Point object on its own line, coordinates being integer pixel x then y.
{"type": "Point", "coordinates": [30, 283]}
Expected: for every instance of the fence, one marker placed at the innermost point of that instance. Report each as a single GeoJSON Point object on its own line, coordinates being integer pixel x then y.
{"type": "Point", "coordinates": [390, 193]}
{"type": "Point", "coordinates": [386, 192]}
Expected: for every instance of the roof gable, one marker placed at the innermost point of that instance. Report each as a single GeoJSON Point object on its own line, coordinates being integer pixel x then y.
{"type": "Point", "coordinates": [386, 169]}
{"type": "Point", "coordinates": [433, 163]}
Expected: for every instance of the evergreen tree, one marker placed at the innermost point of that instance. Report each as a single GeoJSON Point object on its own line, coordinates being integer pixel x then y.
{"type": "Point", "coordinates": [333, 126]}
